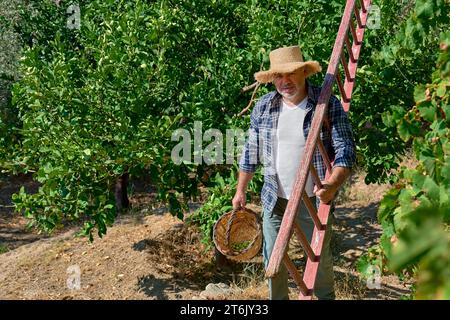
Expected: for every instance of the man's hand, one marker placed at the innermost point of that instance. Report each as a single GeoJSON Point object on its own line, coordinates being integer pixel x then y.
{"type": "Point", "coordinates": [239, 200]}
{"type": "Point", "coordinates": [332, 185]}
{"type": "Point", "coordinates": [327, 193]}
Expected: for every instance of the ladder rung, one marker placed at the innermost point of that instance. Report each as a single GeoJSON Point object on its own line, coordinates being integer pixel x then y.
{"type": "Point", "coordinates": [304, 242]}
{"type": "Point", "coordinates": [312, 211]}
{"type": "Point", "coordinates": [363, 7]}
{"type": "Point", "coordinates": [358, 17]}
{"type": "Point", "coordinates": [341, 88]}
{"type": "Point", "coordinates": [349, 49]}
{"type": "Point", "coordinates": [345, 65]}
{"type": "Point", "coordinates": [324, 154]}
{"type": "Point", "coordinates": [316, 177]}
{"type": "Point", "coordinates": [355, 37]}
{"type": "Point", "coordinates": [296, 275]}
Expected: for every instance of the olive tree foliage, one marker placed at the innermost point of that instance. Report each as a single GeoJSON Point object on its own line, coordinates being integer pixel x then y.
{"type": "Point", "coordinates": [415, 212]}
{"type": "Point", "coordinates": [102, 100]}
{"type": "Point", "coordinates": [98, 102]}
{"type": "Point", "coordinates": [396, 57]}
{"type": "Point", "coordinates": [10, 50]}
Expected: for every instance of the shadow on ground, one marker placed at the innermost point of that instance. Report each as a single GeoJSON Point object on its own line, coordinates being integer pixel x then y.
{"type": "Point", "coordinates": [13, 227]}
{"type": "Point", "coordinates": [181, 264]}
{"type": "Point", "coordinates": [355, 229]}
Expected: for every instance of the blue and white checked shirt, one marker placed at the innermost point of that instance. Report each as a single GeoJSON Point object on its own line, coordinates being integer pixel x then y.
{"type": "Point", "coordinates": [257, 150]}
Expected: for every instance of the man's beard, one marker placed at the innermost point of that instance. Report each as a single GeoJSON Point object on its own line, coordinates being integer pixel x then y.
{"type": "Point", "coordinates": [289, 96]}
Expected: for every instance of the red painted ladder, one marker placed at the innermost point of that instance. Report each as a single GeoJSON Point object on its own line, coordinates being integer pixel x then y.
{"type": "Point", "coordinates": [353, 11]}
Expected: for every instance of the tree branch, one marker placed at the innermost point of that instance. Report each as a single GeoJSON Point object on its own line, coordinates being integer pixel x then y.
{"type": "Point", "coordinates": [247, 88]}
{"type": "Point", "coordinates": [252, 99]}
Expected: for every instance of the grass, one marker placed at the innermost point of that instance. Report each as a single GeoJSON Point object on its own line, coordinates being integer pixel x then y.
{"type": "Point", "coordinates": [349, 286]}
{"type": "Point", "coordinates": [3, 248]}
{"type": "Point", "coordinates": [249, 284]}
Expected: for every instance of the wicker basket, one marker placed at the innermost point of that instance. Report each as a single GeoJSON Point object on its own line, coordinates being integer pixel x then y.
{"type": "Point", "coordinates": [238, 235]}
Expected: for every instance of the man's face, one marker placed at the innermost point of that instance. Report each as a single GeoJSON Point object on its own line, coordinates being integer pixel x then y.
{"type": "Point", "coordinates": [290, 85]}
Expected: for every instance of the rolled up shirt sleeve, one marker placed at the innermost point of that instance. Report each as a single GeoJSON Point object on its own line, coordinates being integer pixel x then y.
{"type": "Point", "coordinates": [342, 136]}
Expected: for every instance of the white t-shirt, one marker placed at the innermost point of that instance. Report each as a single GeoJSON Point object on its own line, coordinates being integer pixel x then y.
{"type": "Point", "coordinates": [288, 148]}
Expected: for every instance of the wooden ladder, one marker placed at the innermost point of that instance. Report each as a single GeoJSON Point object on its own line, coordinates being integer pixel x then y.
{"type": "Point", "coordinates": [353, 11]}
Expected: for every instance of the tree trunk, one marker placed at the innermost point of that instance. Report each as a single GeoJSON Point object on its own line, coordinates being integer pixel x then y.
{"type": "Point", "coordinates": [121, 195]}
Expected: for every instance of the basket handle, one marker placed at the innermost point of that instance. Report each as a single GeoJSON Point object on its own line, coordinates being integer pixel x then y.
{"type": "Point", "coordinates": [229, 224]}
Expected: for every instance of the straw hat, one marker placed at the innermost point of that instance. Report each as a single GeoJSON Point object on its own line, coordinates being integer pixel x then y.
{"type": "Point", "coordinates": [285, 60]}
{"type": "Point", "coordinates": [238, 235]}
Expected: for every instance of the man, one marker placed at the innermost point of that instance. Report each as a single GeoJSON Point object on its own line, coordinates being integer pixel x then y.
{"type": "Point", "coordinates": [279, 126]}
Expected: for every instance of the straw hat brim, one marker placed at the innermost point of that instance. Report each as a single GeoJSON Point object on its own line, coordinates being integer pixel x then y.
{"type": "Point", "coordinates": [311, 67]}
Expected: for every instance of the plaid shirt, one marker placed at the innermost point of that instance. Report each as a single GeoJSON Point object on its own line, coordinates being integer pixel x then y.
{"type": "Point", "coordinates": [257, 150]}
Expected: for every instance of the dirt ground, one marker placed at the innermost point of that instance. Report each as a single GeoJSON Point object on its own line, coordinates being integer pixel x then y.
{"type": "Point", "coordinates": [149, 254]}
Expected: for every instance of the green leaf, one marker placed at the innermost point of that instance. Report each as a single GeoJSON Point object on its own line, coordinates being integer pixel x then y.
{"type": "Point", "coordinates": [385, 240]}
{"type": "Point", "coordinates": [419, 93]}
{"type": "Point", "coordinates": [363, 265]}
{"type": "Point", "coordinates": [401, 218]}
{"type": "Point", "coordinates": [427, 111]}
{"type": "Point", "coordinates": [446, 109]}
{"type": "Point", "coordinates": [404, 130]}
{"type": "Point", "coordinates": [418, 179]}
{"type": "Point", "coordinates": [388, 205]}
{"type": "Point", "coordinates": [414, 243]}
{"type": "Point", "coordinates": [431, 189]}
{"type": "Point", "coordinates": [48, 168]}
{"type": "Point", "coordinates": [226, 208]}
{"type": "Point", "coordinates": [424, 9]}
{"type": "Point", "coordinates": [445, 172]}
{"type": "Point", "coordinates": [441, 90]}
